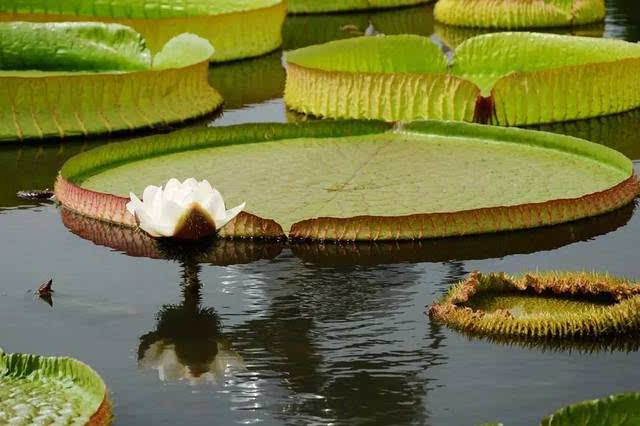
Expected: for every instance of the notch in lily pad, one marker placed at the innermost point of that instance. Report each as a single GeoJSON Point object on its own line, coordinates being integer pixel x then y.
{"type": "Point", "coordinates": [188, 210]}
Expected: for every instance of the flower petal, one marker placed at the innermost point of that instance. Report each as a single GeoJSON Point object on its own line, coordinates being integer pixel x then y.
{"type": "Point", "coordinates": [229, 216]}
{"type": "Point", "coordinates": [134, 205]}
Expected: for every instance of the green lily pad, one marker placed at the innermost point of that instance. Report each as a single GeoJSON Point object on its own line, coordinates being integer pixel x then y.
{"type": "Point", "coordinates": [615, 410]}
{"type": "Point", "coordinates": [306, 30]}
{"type": "Point", "coordinates": [363, 180]}
{"type": "Point", "coordinates": [323, 6]}
{"type": "Point", "coordinates": [512, 14]}
{"type": "Point", "coordinates": [49, 390]}
{"type": "Point", "coordinates": [223, 23]}
{"type": "Point", "coordinates": [70, 79]}
{"type": "Point", "coordinates": [136, 243]}
{"type": "Point", "coordinates": [542, 305]}
{"type": "Point", "coordinates": [501, 78]}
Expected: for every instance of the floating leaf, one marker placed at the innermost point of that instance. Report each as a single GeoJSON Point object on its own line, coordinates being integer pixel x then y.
{"type": "Point", "coordinates": [49, 390]}
{"type": "Point", "coordinates": [615, 410]}
{"type": "Point", "coordinates": [224, 23]}
{"type": "Point", "coordinates": [542, 305]}
{"type": "Point", "coordinates": [503, 78]}
{"type": "Point", "coordinates": [363, 180]}
{"type": "Point", "coordinates": [510, 14]}
{"type": "Point", "coordinates": [71, 79]}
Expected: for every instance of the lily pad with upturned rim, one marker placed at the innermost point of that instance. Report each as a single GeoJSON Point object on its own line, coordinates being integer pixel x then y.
{"type": "Point", "coordinates": [501, 78]}
{"type": "Point", "coordinates": [236, 28]}
{"type": "Point", "coordinates": [36, 389]}
{"type": "Point", "coordinates": [363, 180]}
{"type": "Point", "coordinates": [542, 305]}
{"type": "Point", "coordinates": [74, 79]}
{"type": "Point", "coordinates": [511, 14]}
{"type": "Point", "coordinates": [136, 243]}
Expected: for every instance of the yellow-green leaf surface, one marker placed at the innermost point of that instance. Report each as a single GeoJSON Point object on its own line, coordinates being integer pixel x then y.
{"type": "Point", "coordinates": [323, 6]}
{"type": "Point", "coordinates": [236, 28]}
{"type": "Point", "coordinates": [49, 390]}
{"type": "Point", "coordinates": [510, 14]}
{"type": "Point", "coordinates": [68, 79]}
{"type": "Point", "coordinates": [346, 170]}
{"type": "Point", "coordinates": [502, 78]}
{"type": "Point", "coordinates": [616, 410]}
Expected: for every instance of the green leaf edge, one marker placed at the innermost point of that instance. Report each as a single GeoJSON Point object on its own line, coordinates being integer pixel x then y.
{"type": "Point", "coordinates": [38, 367]}
{"type": "Point", "coordinates": [564, 415]}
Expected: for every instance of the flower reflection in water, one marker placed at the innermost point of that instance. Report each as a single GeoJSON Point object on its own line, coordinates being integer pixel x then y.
{"type": "Point", "coordinates": [188, 343]}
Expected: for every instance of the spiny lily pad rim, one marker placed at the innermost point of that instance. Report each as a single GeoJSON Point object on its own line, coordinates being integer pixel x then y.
{"type": "Point", "coordinates": [502, 78]}
{"type": "Point", "coordinates": [88, 387]}
{"type": "Point", "coordinates": [619, 315]}
{"type": "Point", "coordinates": [110, 207]}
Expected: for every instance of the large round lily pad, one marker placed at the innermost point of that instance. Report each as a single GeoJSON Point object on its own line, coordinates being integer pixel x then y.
{"type": "Point", "coordinates": [236, 28]}
{"type": "Point", "coordinates": [48, 390]}
{"type": "Point", "coordinates": [502, 78]}
{"type": "Point", "coordinates": [323, 6]}
{"type": "Point", "coordinates": [72, 79]}
{"type": "Point", "coordinates": [510, 14]}
{"type": "Point", "coordinates": [542, 305]}
{"type": "Point", "coordinates": [363, 180]}
{"type": "Point", "coordinates": [134, 242]}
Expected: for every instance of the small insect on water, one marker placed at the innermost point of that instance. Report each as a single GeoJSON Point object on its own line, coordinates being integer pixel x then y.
{"type": "Point", "coordinates": [45, 291]}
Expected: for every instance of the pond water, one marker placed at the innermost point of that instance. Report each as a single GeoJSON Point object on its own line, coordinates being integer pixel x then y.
{"type": "Point", "coordinates": [312, 334]}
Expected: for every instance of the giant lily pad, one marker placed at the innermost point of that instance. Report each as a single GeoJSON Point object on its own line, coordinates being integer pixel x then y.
{"type": "Point", "coordinates": [552, 305]}
{"type": "Point", "coordinates": [363, 180]}
{"type": "Point", "coordinates": [616, 410]}
{"type": "Point", "coordinates": [502, 78]}
{"type": "Point", "coordinates": [136, 243]}
{"type": "Point", "coordinates": [48, 390]}
{"type": "Point", "coordinates": [70, 79]}
{"type": "Point", "coordinates": [236, 28]}
{"type": "Point", "coordinates": [306, 30]}
{"type": "Point", "coordinates": [509, 14]}
{"type": "Point", "coordinates": [323, 6]}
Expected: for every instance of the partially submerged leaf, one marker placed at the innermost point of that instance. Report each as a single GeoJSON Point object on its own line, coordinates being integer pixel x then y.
{"type": "Point", "coordinates": [616, 410]}
{"type": "Point", "coordinates": [362, 181]}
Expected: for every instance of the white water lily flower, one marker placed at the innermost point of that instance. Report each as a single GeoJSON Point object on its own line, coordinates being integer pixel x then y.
{"type": "Point", "coordinates": [188, 210]}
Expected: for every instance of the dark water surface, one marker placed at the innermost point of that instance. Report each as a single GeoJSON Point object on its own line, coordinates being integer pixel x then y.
{"type": "Point", "coordinates": [309, 334]}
